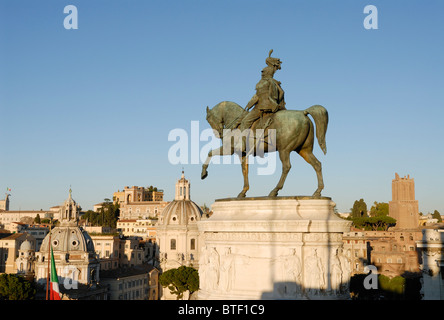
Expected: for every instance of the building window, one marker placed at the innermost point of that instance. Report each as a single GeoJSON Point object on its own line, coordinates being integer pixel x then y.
{"type": "Point", "coordinates": [193, 244]}
{"type": "Point", "coordinates": [173, 244]}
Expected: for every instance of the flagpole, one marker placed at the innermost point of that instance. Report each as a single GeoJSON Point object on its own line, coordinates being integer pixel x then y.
{"type": "Point", "coordinates": [49, 259]}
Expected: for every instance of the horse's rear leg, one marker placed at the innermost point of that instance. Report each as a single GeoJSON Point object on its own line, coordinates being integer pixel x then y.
{"type": "Point", "coordinates": [308, 155]}
{"type": "Point", "coordinates": [286, 166]}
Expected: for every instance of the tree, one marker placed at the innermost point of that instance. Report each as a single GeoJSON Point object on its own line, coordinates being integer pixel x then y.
{"type": "Point", "coordinates": [393, 288]}
{"type": "Point", "coordinates": [15, 287]}
{"type": "Point", "coordinates": [107, 215]}
{"type": "Point", "coordinates": [37, 219]}
{"type": "Point", "coordinates": [359, 209]}
{"type": "Point", "coordinates": [437, 215]}
{"type": "Point", "coordinates": [381, 222]}
{"type": "Point", "coordinates": [204, 208]}
{"type": "Point", "coordinates": [373, 223]}
{"type": "Point", "coordinates": [379, 209]}
{"type": "Point", "coordinates": [27, 220]}
{"type": "Point", "coordinates": [180, 280]}
{"type": "Point", "coordinates": [400, 287]}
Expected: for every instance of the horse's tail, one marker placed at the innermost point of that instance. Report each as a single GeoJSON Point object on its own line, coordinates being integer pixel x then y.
{"type": "Point", "coordinates": [320, 116]}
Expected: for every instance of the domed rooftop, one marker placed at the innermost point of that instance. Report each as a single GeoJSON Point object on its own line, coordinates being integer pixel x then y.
{"type": "Point", "coordinates": [181, 211]}
{"type": "Point", "coordinates": [26, 246]}
{"type": "Point", "coordinates": [68, 239]}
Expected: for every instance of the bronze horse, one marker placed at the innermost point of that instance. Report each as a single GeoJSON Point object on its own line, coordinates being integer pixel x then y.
{"type": "Point", "coordinates": [294, 131]}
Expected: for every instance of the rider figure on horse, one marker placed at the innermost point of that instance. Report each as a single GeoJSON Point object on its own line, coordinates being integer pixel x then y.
{"type": "Point", "coordinates": [269, 97]}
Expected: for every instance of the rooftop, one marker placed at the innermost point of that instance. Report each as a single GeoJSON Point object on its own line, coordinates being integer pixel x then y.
{"type": "Point", "coordinates": [126, 272]}
{"type": "Point", "coordinates": [13, 236]}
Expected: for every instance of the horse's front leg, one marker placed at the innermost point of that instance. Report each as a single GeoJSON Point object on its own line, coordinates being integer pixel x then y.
{"type": "Point", "coordinates": [244, 163]}
{"type": "Point", "coordinates": [221, 151]}
{"type": "Point", "coordinates": [286, 166]}
{"type": "Point", "coordinates": [214, 152]}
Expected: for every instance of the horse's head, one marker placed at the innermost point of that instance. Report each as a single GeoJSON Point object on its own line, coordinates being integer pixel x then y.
{"type": "Point", "coordinates": [216, 122]}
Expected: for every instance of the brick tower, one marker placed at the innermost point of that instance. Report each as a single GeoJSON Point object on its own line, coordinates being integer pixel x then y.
{"type": "Point", "coordinates": [404, 207]}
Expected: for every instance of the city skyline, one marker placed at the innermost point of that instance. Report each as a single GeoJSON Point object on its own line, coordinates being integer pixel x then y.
{"type": "Point", "coordinates": [92, 108]}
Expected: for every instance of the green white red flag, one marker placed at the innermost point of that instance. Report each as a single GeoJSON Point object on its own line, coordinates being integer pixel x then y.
{"type": "Point", "coordinates": [54, 281]}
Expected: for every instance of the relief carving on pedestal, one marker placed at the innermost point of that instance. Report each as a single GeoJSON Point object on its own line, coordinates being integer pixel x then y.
{"type": "Point", "coordinates": [314, 273]}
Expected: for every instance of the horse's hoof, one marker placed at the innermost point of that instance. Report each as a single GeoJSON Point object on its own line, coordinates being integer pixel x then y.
{"type": "Point", "coordinates": [317, 194]}
{"type": "Point", "coordinates": [241, 195]}
{"type": "Point", "coordinates": [273, 193]}
{"type": "Point", "coordinates": [204, 175]}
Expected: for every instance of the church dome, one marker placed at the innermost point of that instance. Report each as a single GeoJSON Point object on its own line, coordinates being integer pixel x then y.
{"type": "Point", "coordinates": [180, 212]}
{"type": "Point", "coordinates": [68, 236]}
{"type": "Point", "coordinates": [26, 246]}
{"type": "Point", "coordinates": [68, 239]}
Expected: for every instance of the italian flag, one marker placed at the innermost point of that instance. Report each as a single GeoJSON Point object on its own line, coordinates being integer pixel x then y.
{"type": "Point", "coordinates": [54, 285]}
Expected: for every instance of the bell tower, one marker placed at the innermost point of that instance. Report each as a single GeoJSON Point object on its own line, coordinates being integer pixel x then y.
{"type": "Point", "coordinates": [182, 188]}
{"type": "Point", "coordinates": [70, 210]}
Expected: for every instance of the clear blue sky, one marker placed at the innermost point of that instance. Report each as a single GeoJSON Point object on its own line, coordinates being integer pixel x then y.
{"type": "Point", "coordinates": [92, 107]}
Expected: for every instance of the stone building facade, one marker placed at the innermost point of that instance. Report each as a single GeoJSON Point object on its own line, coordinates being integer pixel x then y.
{"type": "Point", "coordinates": [394, 252]}
{"type": "Point", "coordinates": [4, 204]}
{"type": "Point", "coordinates": [139, 203]}
{"type": "Point", "coordinates": [356, 246]}
{"type": "Point", "coordinates": [431, 248]}
{"type": "Point", "coordinates": [144, 228]}
{"type": "Point", "coordinates": [10, 250]}
{"type": "Point", "coordinates": [136, 283]}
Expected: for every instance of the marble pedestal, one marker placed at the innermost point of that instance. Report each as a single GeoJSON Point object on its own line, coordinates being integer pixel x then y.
{"type": "Point", "coordinates": [273, 248]}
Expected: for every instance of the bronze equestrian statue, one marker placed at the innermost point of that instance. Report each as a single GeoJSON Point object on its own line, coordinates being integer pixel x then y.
{"type": "Point", "coordinates": [293, 130]}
